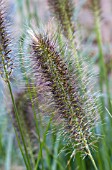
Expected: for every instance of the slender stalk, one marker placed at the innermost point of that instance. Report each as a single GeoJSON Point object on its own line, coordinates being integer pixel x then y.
{"type": "Point", "coordinates": [91, 157]}
{"type": "Point", "coordinates": [88, 151]}
{"type": "Point", "coordinates": [103, 73]}
{"type": "Point", "coordinates": [16, 111]}
{"type": "Point", "coordinates": [31, 99]}
{"type": "Point", "coordinates": [102, 66]}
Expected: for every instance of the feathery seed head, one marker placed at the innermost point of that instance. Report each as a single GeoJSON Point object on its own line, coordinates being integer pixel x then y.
{"type": "Point", "coordinates": [63, 11]}
{"type": "Point", "coordinates": [49, 63]}
{"type": "Point", "coordinates": [5, 42]}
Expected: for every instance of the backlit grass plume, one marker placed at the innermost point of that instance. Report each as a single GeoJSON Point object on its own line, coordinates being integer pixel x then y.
{"type": "Point", "coordinates": [63, 11]}
{"type": "Point", "coordinates": [5, 43]}
{"type": "Point", "coordinates": [62, 84]}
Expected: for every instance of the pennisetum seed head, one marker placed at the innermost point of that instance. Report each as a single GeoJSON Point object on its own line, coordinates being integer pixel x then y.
{"type": "Point", "coordinates": [62, 84]}
{"type": "Point", "coordinates": [63, 11]}
{"type": "Point", "coordinates": [5, 42]}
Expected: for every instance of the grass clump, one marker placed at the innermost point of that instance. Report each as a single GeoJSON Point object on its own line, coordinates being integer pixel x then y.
{"type": "Point", "coordinates": [56, 110]}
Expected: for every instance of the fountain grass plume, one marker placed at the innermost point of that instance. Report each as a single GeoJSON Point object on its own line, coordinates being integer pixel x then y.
{"type": "Point", "coordinates": [5, 43]}
{"type": "Point", "coordinates": [63, 11]}
{"type": "Point", "coordinates": [63, 86]}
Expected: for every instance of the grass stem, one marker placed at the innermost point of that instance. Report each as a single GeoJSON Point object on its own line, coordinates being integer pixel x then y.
{"type": "Point", "coordinates": [16, 111]}
{"type": "Point", "coordinates": [91, 157]}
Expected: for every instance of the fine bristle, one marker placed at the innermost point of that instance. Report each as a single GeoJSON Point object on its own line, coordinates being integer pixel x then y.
{"type": "Point", "coordinates": [5, 42]}
{"type": "Point", "coordinates": [67, 100]}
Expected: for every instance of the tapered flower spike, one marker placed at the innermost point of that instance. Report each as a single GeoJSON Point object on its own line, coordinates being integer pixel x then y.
{"type": "Point", "coordinates": [5, 43]}
{"type": "Point", "coordinates": [49, 63]}
{"type": "Point", "coordinates": [63, 11]}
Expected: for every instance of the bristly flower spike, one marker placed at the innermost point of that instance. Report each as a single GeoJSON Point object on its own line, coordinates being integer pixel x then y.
{"type": "Point", "coordinates": [63, 11]}
{"type": "Point", "coordinates": [50, 64]}
{"type": "Point", "coordinates": [6, 66]}
{"type": "Point", "coordinates": [5, 43]}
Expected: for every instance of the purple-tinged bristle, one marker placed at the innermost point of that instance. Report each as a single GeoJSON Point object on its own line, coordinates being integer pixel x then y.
{"type": "Point", "coordinates": [5, 42]}
{"type": "Point", "coordinates": [67, 100]}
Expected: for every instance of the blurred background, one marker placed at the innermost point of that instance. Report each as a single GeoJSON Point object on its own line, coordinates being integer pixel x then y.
{"type": "Point", "coordinates": [23, 14]}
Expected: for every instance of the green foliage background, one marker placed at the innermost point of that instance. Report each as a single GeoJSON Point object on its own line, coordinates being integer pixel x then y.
{"type": "Point", "coordinates": [50, 157]}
